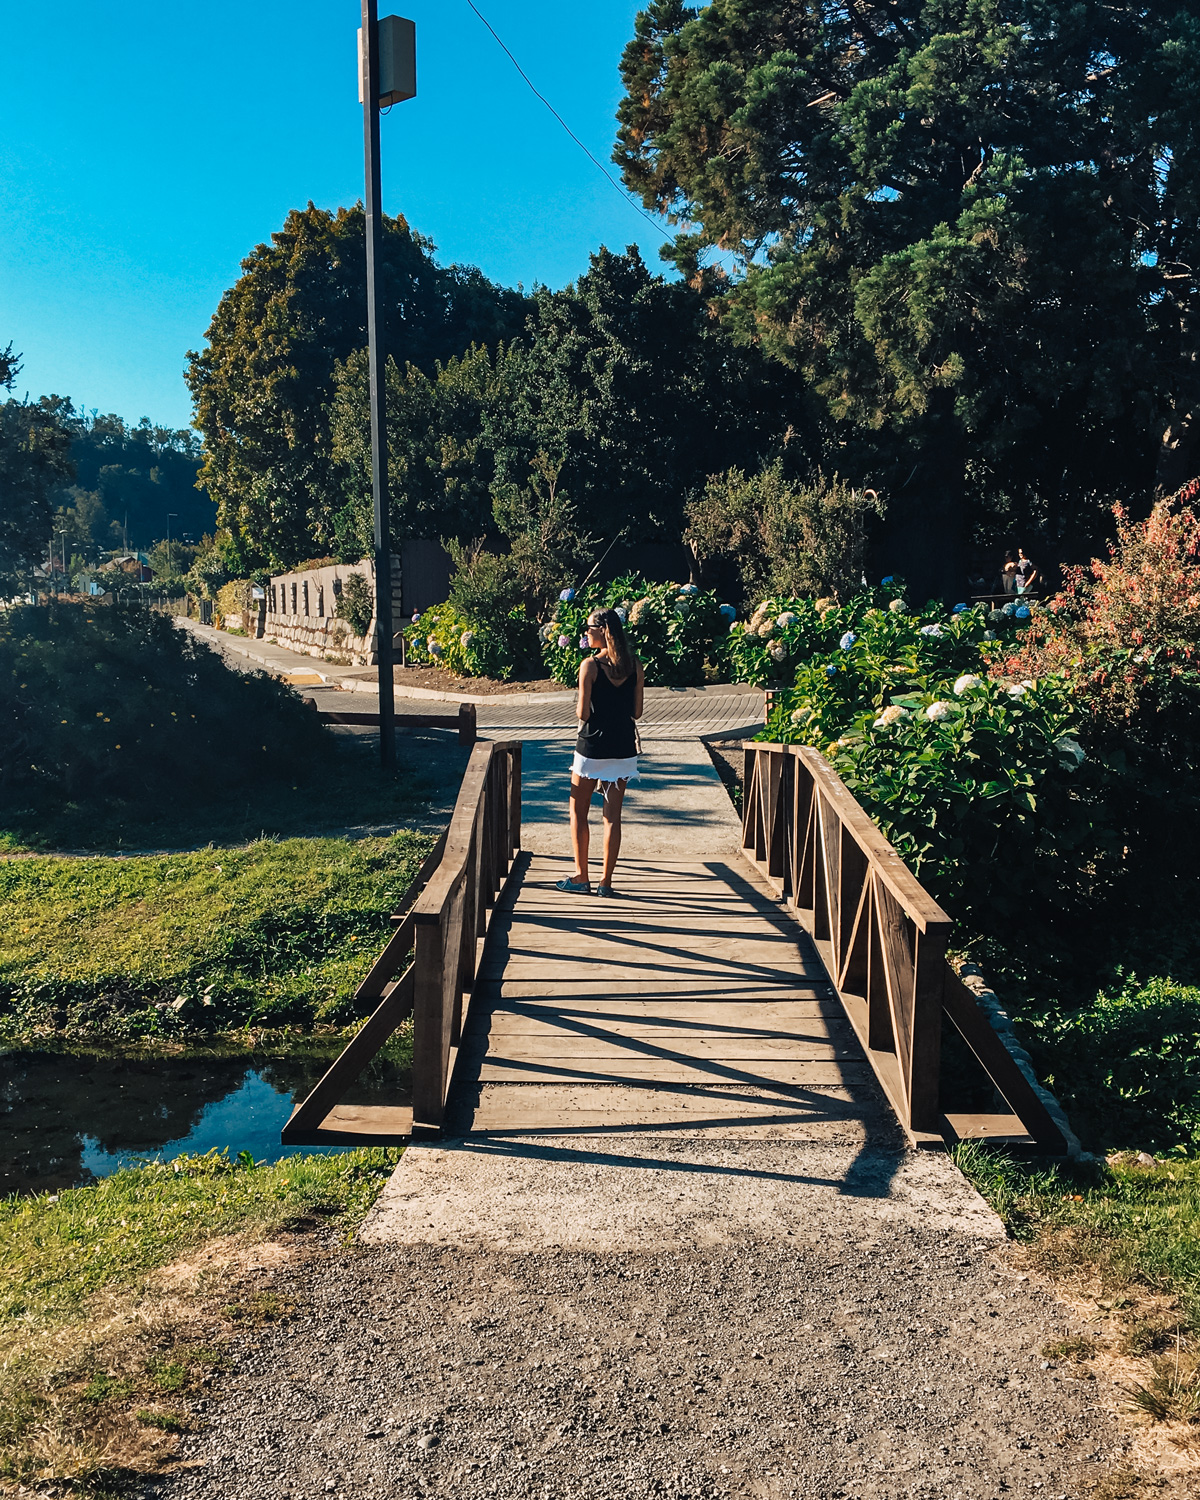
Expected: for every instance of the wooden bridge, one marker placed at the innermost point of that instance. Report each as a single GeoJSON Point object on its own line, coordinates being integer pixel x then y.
{"type": "Point", "coordinates": [799, 989]}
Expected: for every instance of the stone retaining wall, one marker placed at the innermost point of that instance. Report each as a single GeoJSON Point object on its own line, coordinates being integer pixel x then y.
{"type": "Point", "coordinates": [302, 612]}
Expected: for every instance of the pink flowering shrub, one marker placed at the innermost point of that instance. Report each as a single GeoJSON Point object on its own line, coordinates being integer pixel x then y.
{"type": "Point", "coordinates": [1125, 632]}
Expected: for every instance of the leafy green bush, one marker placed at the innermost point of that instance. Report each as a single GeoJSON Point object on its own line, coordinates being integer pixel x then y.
{"type": "Point", "coordinates": [783, 635]}
{"type": "Point", "coordinates": [678, 631]}
{"type": "Point", "coordinates": [784, 536]}
{"type": "Point", "coordinates": [234, 601]}
{"type": "Point", "coordinates": [100, 699]}
{"type": "Point", "coordinates": [1126, 1067]}
{"type": "Point", "coordinates": [981, 785]}
{"type": "Point", "coordinates": [356, 604]}
{"type": "Point", "coordinates": [443, 636]}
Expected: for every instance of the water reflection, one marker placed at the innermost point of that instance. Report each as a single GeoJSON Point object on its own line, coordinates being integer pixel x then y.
{"type": "Point", "coordinates": [66, 1120]}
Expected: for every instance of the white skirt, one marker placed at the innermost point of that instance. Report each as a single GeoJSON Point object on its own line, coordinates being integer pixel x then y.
{"type": "Point", "coordinates": [594, 769]}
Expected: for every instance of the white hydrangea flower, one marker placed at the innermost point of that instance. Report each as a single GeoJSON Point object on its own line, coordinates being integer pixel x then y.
{"type": "Point", "coordinates": [965, 683]}
{"type": "Point", "coordinates": [801, 715]}
{"type": "Point", "coordinates": [766, 629]}
{"type": "Point", "coordinates": [898, 606]}
{"type": "Point", "coordinates": [891, 715]}
{"type": "Point", "coordinates": [467, 637]}
{"type": "Point", "coordinates": [785, 619]}
{"type": "Point", "coordinates": [938, 711]}
{"type": "Point", "coordinates": [1070, 752]}
{"type": "Point", "coordinates": [778, 652]}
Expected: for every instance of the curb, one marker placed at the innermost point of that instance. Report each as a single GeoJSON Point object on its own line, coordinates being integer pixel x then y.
{"type": "Point", "coordinates": [989, 1002]}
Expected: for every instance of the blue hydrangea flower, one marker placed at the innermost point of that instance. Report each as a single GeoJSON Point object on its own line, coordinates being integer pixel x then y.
{"type": "Point", "coordinates": [891, 578]}
{"type": "Point", "coordinates": [567, 595]}
{"type": "Point", "coordinates": [847, 640]}
{"type": "Point", "coordinates": [931, 630]}
{"type": "Point", "coordinates": [729, 612]}
{"type": "Point", "coordinates": [690, 588]}
{"type": "Point", "coordinates": [583, 641]}
{"type": "Point", "coordinates": [831, 671]}
{"type": "Point", "coordinates": [1023, 612]}
{"type": "Point", "coordinates": [959, 609]}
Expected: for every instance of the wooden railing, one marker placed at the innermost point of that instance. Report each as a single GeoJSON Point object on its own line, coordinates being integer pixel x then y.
{"type": "Point", "coordinates": [464, 720]}
{"type": "Point", "coordinates": [451, 917]}
{"type": "Point", "coordinates": [444, 928]}
{"type": "Point", "coordinates": [883, 940]}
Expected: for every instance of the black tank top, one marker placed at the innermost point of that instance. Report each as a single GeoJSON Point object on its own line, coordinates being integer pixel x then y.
{"type": "Point", "coordinates": [608, 733]}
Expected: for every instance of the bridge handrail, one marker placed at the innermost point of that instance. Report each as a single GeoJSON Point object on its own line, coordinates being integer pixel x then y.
{"type": "Point", "coordinates": [883, 940]}
{"type": "Point", "coordinates": [444, 928]}
{"type": "Point", "coordinates": [450, 918]}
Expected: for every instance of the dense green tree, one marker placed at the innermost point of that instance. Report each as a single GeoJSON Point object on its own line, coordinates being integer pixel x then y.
{"type": "Point", "coordinates": [34, 457]}
{"type": "Point", "coordinates": [971, 224]}
{"type": "Point", "coordinates": [265, 380]}
{"type": "Point", "coordinates": [619, 398]}
{"type": "Point", "coordinates": [131, 483]}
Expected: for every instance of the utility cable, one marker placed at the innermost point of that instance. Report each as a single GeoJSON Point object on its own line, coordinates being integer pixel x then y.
{"type": "Point", "coordinates": [596, 162]}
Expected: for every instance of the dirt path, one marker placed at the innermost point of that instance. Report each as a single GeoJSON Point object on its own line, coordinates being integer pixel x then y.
{"type": "Point", "coordinates": [856, 1330]}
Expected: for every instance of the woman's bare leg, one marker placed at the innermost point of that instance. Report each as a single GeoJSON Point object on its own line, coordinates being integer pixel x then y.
{"type": "Point", "coordinates": [581, 801]}
{"type": "Point", "coordinates": [614, 796]}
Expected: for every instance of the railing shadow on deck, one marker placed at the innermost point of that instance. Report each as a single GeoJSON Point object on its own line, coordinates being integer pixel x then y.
{"type": "Point", "coordinates": [883, 940]}
{"type": "Point", "coordinates": [456, 891]}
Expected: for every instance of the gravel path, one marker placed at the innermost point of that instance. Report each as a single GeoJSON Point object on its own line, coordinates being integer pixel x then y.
{"type": "Point", "coordinates": [907, 1365]}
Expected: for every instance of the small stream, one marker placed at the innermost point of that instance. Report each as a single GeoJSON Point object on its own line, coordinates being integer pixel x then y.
{"type": "Point", "coordinates": [66, 1120]}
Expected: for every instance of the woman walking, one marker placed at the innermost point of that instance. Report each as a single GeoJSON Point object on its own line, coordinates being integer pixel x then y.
{"type": "Point", "coordinates": [610, 700]}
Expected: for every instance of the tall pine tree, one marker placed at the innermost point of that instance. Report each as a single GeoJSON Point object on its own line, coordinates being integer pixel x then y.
{"type": "Point", "coordinates": [973, 225]}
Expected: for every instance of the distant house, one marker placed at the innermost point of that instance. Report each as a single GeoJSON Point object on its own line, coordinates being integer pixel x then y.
{"type": "Point", "coordinates": [135, 566]}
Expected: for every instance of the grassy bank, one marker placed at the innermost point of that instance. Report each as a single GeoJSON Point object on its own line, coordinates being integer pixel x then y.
{"type": "Point", "coordinates": [118, 1298]}
{"type": "Point", "coordinates": [1122, 1239]}
{"type": "Point", "coordinates": [273, 934]}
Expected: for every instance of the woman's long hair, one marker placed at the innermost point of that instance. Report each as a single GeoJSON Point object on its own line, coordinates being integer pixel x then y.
{"type": "Point", "coordinates": [619, 649]}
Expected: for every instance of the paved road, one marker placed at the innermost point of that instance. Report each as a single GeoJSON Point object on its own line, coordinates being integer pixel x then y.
{"type": "Point", "coordinates": [671, 713]}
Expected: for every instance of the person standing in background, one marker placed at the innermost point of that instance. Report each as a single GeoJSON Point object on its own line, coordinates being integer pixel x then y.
{"type": "Point", "coordinates": [1027, 575]}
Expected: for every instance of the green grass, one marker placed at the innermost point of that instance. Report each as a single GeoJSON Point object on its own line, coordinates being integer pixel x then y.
{"type": "Point", "coordinates": [91, 1345]}
{"type": "Point", "coordinates": [344, 789]}
{"type": "Point", "coordinates": [1126, 1225]}
{"type": "Point", "coordinates": [56, 1251]}
{"type": "Point", "coordinates": [273, 934]}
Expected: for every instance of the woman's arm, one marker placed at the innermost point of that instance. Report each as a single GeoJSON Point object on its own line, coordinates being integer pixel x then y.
{"type": "Point", "coordinates": [587, 675]}
{"type": "Point", "coordinates": [637, 691]}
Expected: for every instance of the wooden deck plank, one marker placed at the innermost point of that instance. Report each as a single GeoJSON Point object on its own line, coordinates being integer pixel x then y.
{"type": "Point", "coordinates": [692, 1004]}
{"type": "Point", "coordinates": [633, 1048]}
{"type": "Point", "coordinates": [666, 1070]}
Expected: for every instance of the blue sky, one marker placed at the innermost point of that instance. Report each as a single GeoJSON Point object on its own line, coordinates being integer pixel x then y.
{"type": "Point", "coordinates": [148, 148]}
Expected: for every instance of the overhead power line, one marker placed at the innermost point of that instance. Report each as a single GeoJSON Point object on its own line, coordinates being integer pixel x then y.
{"type": "Point", "coordinates": [596, 162]}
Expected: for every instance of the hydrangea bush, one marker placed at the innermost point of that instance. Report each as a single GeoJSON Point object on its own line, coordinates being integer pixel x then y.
{"type": "Point", "coordinates": [678, 630]}
{"type": "Point", "coordinates": [782, 637]}
{"type": "Point", "coordinates": [981, 783]}
{"type": "Point", "coordinates": [444, 637]}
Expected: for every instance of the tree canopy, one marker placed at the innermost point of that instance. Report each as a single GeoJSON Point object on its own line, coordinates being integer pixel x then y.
{"type": "Point", "coordinates": [618, 398]}
{"type": "Point", "coordinates": [33, 459]}
{"type": "Point", "coordinates": [263, 383]}
{"type": "Point", "coordinates": [972, 224]}
{"type": "Point", "coordinates": [132, 484]}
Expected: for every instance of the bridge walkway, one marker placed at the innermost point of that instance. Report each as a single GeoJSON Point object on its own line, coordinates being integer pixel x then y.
{"type": "Point", "coordinates": [688, 1004]}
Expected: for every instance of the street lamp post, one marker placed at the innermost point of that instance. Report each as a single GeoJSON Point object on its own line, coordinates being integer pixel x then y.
{"type": "Point", "coordinates": [62, 536]}
{"type": "Point", "coordinates": [387, 74]}
{"type": "Point", "coordinates": [172, 515]}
